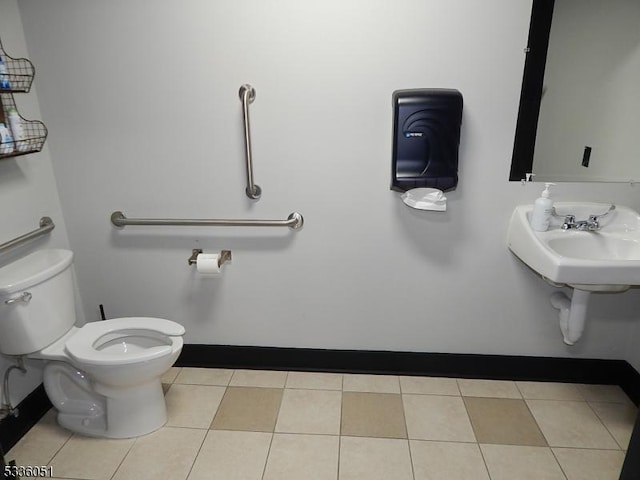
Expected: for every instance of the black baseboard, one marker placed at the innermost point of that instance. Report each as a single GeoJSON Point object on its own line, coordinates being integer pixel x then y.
{"type": "Point", "coordinates": [494, 367]}
{"type": "Point", "coordinates": [31, 409]}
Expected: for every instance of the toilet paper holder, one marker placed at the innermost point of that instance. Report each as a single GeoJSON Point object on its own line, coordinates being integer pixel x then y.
{"type": "Point", "coordinates": [225, 256]}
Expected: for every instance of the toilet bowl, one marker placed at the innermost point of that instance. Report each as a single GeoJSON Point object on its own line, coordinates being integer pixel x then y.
{"type": "Point", "coordinates": [103, 378]}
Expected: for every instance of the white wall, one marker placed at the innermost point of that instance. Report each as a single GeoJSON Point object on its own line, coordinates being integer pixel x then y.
{"type": "Point", "coordinates": [27, 192]}
{"type": "Point", "coordinates": [142, 104]}
{"type": "Point", "coordinates": [595, 102]}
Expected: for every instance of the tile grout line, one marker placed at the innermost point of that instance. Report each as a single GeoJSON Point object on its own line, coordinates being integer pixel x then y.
{"type": "Point", "coordinates": [605, 426]}
{"type": "Point", "coordinates": [208, 429]}
{"type": "Point", "coordinates": [473, 429]}
{"type": "Point", "coordinates": [406, 429]}
{"type": "Point", "coordinates": [340, 426]}
{"type": "Point", "coordinates": [459, 390]}
{"type": "Point", "coordinates": [215, 414]}
{"type": "Point", "coordinates": [558, 462]}
{"type": "Point", "coordinates": [471, 422]}
{"type": "Point", "coordinates": [204, 439]}
{"type": "Point", "coordinates": [339, 450]}
{"type": "Point", "coordinates": [413, 472]}
{"type": "Point", "coordinates": [484, 460]}
{"type": "Point", "coordinates": [61, 446]}
{"type": "Point", "coordinates": [522, 397]}
{"type": "Point", "coordinates": [210, 423]}
{"type": "Point", "coordinates": [592, 411]}
{"type": "Point", "coordinates": [266, 459]}
{"type": "Point", "coordinates": [273, 433]}
{"type": "Point", "coordinates": [115, 472]}
{"type": "Point", "coordinates": [536, 421]}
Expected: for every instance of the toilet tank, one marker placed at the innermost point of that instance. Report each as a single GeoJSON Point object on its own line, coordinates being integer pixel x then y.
{"type": "Point", "coordinates": [36, 301]}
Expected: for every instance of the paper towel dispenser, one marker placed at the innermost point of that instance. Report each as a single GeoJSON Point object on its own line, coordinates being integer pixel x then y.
{"type": "Point", "coordinates": [426, 136]}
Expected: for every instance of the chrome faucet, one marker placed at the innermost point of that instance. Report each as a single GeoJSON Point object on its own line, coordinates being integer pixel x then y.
{"type": "Point", "coordinates": [590, 225]}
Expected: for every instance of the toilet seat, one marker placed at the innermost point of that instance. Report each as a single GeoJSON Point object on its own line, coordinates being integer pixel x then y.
{"type": "Point", "coordinates": [85, 345]}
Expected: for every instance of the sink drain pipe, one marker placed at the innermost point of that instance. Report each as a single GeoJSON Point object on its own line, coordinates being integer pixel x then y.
{"type": "Point", "coordinates": [572, 313]}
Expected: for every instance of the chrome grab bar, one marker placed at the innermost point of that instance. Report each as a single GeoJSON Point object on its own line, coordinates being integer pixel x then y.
{"type": "Point", "coordinates": [247, 96]}
{"type": "Point", "coordinates": [293, 221]}
{"type": "Point", "coordinates": [46, 225]}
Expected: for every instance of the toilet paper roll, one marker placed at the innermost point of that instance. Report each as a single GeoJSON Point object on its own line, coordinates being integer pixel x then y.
{"type": "Point", "coordinates": [208, 263]}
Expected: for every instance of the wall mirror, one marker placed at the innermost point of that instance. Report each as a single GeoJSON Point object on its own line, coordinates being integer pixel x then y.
{"type": "Point", "coordinates": [579, 114]}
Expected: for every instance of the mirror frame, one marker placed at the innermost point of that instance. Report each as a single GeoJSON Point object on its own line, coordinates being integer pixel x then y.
{"type": "Point", "coordinates": [531, 93]}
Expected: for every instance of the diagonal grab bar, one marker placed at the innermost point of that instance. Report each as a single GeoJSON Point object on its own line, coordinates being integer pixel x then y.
{"type": "Point", "coordinates": [247, 96]}
{"type": "Point", "coordinates": [46, 225]}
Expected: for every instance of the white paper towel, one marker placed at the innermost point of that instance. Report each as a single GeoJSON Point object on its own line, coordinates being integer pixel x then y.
{"type": "Point", "coordinates": [425, 199]}
{"type": "Point", "coordinates": [208, 263]}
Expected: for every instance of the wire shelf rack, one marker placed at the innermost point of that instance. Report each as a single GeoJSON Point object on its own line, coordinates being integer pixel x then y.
{"type": "Point", "coordinates": [18, 74]}
{"type": "Point", "coordinates": [34, 132]}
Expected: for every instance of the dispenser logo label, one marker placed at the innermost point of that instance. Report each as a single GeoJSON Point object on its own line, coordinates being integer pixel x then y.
{"type": "Point", "coordinates": [413, 134]}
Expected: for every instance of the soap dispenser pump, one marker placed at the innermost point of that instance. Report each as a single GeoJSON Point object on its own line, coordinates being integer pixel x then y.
{"type": "Point", "coordinates": [542, 210]}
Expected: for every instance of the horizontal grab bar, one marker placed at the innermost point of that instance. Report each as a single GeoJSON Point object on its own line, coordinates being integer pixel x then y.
{"type": "Point", "coordinates": [46, 225]}
{"type": "Point", "coordinates": [294, 221]}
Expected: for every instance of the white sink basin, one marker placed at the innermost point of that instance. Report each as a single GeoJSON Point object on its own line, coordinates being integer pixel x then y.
{"type": "Point", "coordinates": [604, 260]}
{"type": "Point", "coordinates": [595, 247]}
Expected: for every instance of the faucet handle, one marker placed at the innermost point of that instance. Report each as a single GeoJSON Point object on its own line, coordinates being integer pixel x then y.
{"type": "Point", "coordinates": [569, 221]}
{"type": "Point", "coordinates": [594, 218]}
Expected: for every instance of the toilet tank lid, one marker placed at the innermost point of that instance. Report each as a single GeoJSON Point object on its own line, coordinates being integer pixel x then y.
{"type": "Point", "coordinates": [33, 269]}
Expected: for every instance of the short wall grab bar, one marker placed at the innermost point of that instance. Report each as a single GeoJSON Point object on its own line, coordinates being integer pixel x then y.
{"type": "Point", "coordinates": [293, 221]}
{"type": "Point", "coordinates": [46, 225]}
{"type": "Point", "coordinates": [247, 96]}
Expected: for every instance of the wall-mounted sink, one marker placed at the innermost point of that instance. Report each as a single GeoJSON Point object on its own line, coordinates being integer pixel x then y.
{"type": "Point", "coordinates": [606, 259]}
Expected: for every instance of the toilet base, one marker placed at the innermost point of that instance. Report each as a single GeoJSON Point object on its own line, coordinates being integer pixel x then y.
{"type": "Point", "coordinates": [130, 412]}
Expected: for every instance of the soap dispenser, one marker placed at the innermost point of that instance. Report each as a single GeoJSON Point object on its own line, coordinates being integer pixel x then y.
{"type": "Point", "coordinates": [542, 210]}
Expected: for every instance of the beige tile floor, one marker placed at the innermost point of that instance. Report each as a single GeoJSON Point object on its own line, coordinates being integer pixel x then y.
{"type": "Point", "coordinates": [268, 425]}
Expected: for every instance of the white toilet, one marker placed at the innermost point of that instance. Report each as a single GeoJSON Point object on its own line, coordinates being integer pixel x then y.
{"type": "Point", "coordinates": [104, 377]}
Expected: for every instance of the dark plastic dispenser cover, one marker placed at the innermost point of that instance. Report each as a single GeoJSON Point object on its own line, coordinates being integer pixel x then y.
{"type": "Point", "coordinates": [426, 136]}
